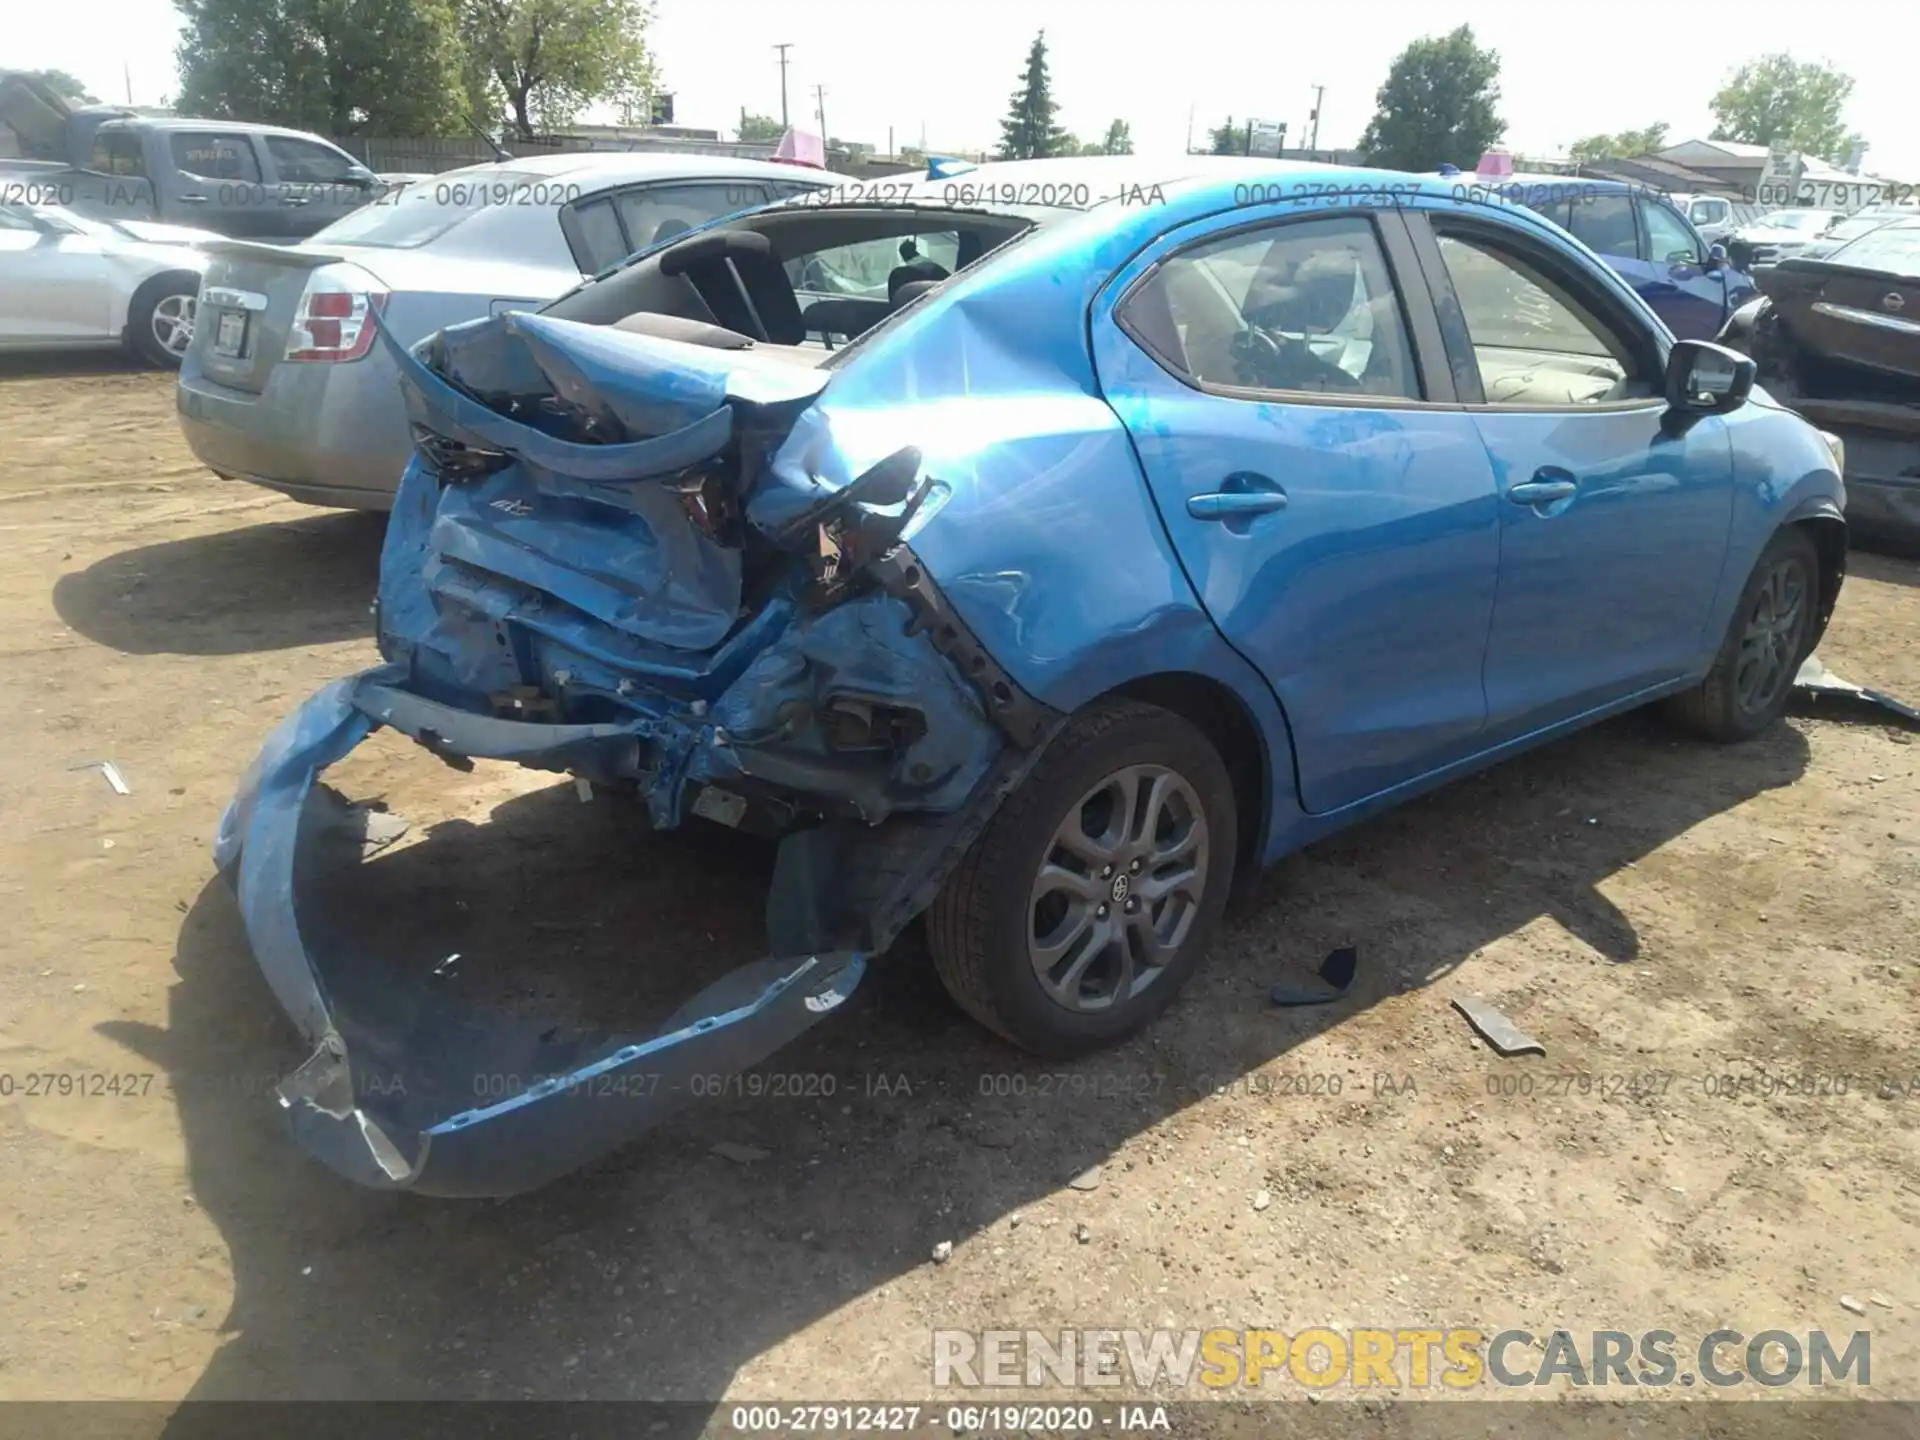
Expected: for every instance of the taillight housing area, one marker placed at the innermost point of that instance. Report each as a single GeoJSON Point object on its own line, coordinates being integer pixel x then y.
{"type": "Point", "coordinates": [334, 319]}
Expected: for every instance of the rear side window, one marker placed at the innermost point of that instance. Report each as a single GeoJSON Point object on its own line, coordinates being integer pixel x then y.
{"type": "Point", "coordinates": [212, 156]}
{"type": "Point", "coordinates": [116, 152]}
{"type": "Point", "coordinates": [1307, 307]}
{"type": "Point", "coordinates": [594, 235]}
{"type": "Point", "coordinates": [1605, 223]}
{"type": "Point", "coordinates": [652, 213]}
{"type": "Point", "coordinates": [307, 161]}
{"type": "Point", "coordinates": [1534, 341]}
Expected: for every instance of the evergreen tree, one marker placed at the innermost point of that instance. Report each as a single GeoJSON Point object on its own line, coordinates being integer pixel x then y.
{"type": "Point", "coordinates": [1029, 131]}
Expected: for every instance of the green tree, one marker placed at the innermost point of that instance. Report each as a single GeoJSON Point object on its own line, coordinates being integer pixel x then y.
{"type": "Point", "coordinates": [1625, 145]}
{"type": "Point", "coordinates": [1226, 139]}
{"type": "Point", "coordinates": [63, 85]}
{"type": "Point", "coordinates": [1788, 104]}
{"type": "Point", "coordinates": [759, 128]}
{"type": "Point", "coordinates": [1437, 105]}
{"type": "Point", "coordinates": [1029, 131]}
{"type": "Point", "coordinates": [341, 67]}
{"type": "Point", "coordinates": [1119, 139]}
{"type": "Point", "coordinates": [550, 59]}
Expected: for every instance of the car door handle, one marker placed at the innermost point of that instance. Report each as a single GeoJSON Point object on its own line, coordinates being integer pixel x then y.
{"type": "Point", "coordinates": [1541, 492]}
{"type": "Point", "coordinates": [293, 199]}
{"type": "Point", "coordinates": [193, 199]}
{"type": "Point", "coordinates": [1229, 505]}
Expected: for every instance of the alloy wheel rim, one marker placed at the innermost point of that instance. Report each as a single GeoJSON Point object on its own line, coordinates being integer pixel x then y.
{"type": "Point", "coordinates": [1118, 888]}
{"type": "Point", "coordinates": [1770, 645]}
{"type": "Point", "coordinates": [172, 323]}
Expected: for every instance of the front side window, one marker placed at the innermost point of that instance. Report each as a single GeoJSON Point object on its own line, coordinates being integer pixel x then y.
{"type": "Point", "coordinates": [211, 156]}
{"type": "Point", "coordinates": [1707, 212]}
{"type": "Point", "coordinates": [1605, 223]}
{"type": "Point", "coordinates": [1667, 238]}
{"type": "Point", "coordinates": [1305, 307]}
{"type": "Point", "coordinates": [1535, 341]}
{"type": "Point", "coordinates": [307, 162]}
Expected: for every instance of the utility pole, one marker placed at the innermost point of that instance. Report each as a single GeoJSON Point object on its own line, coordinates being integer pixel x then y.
{"type": "Point", "coordinates": [820, 95]}
{"type": "Point", "coordinates": [1313, 142]}
{"type": "Point", "coordinates": [783, 81]}
{"type": "Point", "coordinates": [1189, 129]}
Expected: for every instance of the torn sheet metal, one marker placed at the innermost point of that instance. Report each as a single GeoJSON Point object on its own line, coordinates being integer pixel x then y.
{"type": "Point", "coordinates": [110, 772]}
{"type": "Point", "coordinates": [1816, 681]}
{"type": "Point", "coordinates": [397, 1110]}
{"type": "Point", "coordinates": [1500, 1032]}
{"type": "Point", "coordinates": [569, 582]}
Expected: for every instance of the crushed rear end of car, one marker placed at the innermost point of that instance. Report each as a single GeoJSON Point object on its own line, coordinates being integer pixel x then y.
{"type": "Point", "coordinates": [613, 557]}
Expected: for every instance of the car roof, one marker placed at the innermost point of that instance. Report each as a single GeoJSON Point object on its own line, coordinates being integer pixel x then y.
{"type": "Point", "coordinates": [233, 127]}
{"type": "Point", "coordinates": [1075, 184]}
{"type": "Point", "coordinates": [613, 167]}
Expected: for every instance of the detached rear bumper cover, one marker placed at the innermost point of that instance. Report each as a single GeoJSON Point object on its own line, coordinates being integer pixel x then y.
{"type": "Point", "coordinates": [400, 1123]}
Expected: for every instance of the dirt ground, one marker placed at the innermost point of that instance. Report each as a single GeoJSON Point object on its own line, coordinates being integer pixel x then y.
{"type": "Point", "coordinates": [1641, 903]}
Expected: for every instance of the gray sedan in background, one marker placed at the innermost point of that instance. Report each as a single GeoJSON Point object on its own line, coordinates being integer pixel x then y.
{"type": "Point", "coordinates": [283, 384]}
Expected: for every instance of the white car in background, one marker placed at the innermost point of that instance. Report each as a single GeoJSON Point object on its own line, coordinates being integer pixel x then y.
{"type": "Point", "coordinates": [68, 282]}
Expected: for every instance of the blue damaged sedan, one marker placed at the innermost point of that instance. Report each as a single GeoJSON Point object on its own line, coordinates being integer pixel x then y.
{"type": "Point", "coordinates": [1039, 547]}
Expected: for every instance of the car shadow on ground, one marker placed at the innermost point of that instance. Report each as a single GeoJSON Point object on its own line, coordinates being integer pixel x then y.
{"type": "Point", "coordinates": [309, 581]}
{"type": "Point", "coordinates": [659, 1272]}
{"type": "Point", "coordinates": [1890, 567]}
{"type": "Point", "coordinates": [59, 364]}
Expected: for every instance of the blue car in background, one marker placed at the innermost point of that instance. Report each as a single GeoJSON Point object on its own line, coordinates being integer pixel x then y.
{"type": "Point", "coordinates": [1690, 283]}
{"type": "Point", "coordinates": [1118, 527]}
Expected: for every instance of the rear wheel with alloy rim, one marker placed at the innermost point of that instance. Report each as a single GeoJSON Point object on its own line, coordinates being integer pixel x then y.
{"type": "Point", "coordinates": [1095, 891]}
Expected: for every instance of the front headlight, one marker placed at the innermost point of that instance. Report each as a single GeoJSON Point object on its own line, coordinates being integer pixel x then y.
{"type": "Point", "coordinates": [1839, 449]}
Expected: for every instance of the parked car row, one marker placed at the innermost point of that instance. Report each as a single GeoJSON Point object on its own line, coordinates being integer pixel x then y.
{"type": "Point", "coordinates": [1039, 567]}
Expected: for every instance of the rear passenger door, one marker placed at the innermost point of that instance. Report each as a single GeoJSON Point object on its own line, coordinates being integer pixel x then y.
{"type": "Point", "coordinates": [218, 184]}
{"type": "Point", "coordinates": [1613, 524]}
{"type": "Point", "coordinates": [1285, 387]}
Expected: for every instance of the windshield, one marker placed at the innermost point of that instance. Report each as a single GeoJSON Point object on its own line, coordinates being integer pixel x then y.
{"type": "Point", "coordinates": [421, 212]}
{"type": "Point", "coordinates": [1809, 222]}
{"type": "Point", "coordinates": [1892, 248]}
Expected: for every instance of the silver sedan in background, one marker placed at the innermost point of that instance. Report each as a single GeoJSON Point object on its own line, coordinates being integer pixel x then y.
{"type": "Point", "coordinates": [68, 282]}
{"type": "Point", "coordinates": [283, 385]}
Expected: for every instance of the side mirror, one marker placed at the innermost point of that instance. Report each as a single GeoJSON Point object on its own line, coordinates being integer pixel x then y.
{"type": "Point", "coordinates": [1705, 378]}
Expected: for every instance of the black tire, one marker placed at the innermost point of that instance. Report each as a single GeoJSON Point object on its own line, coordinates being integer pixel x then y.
{"type": "Point", "coordinates": [980, 926]}
{"type": "Point", "coordinates": [156, 307]}
{"type": "Point", "coordinates": [1732, 704]}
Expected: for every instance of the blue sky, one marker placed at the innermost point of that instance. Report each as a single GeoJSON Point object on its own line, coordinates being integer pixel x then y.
{"type": "Point", "coordinates": [1566, 71]}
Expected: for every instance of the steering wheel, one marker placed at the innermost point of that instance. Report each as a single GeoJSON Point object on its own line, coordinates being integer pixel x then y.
{"type": "Point", "coordinates": [1284, 362]}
